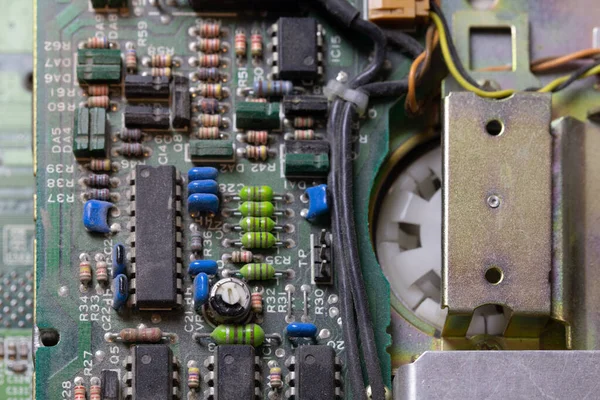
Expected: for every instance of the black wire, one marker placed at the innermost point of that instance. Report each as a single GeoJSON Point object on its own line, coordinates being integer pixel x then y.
{"type": "Point", "coordinates": [578, 74]}
{"type": "Point", "coordinates": [453, 53]}
{"type": "Point", "coordinates": [404, 42]}
{"type": "Point", "coordinates": [386, 89]}
{"type": "Point", "coordinates": [371, 30]}
{"type": "Point", "coordinates": [354, 374]}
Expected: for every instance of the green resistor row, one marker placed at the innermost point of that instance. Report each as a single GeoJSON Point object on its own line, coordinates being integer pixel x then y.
{"type": "Point", "coordinates": [258, 272]}
{"type": "Point", "coordinates": [251, 334]}
{"type": "Point", "coordinates": [259, 193]}
{"type": "Point", "coordinates": [258, 224]}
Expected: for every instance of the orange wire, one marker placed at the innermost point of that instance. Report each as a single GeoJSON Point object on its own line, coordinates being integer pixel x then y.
{"type": "Point", "coordinates": [417, 71]}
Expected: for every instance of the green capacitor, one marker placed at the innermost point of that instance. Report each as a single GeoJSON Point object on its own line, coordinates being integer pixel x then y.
{"type": "Point", "coordinates": [256, 193]}
{"type": "Point", "coordinates": [258, 240]}
{"type": "Point", "coordinates": [212, 151]}
{"type": "Point", "coordinates": [251, 334]}
{"type": "Point", "coordinates": [257, 209]}
{"type": "Point", "coordinates": [258, 272]}
{"type": "Point", "coordinates": [257, 116]}
{"type": "Point", "coordinates": [257, 224]}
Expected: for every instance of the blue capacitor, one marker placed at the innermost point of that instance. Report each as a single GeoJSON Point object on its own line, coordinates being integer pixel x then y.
{"type": "Point", "coordinates": [201, 203]}
{"type": "Point", "coordinates": [208, 267]}
{"type": "Point", "coordinates": [118, 260]}
{"type": "Point", "coordinates": [95, 216]}
{"type": "Point", "coordinates": [201, 290]}
{"type": "Point", "coordinates": [301, 329]}
{"type": "Point", "coordinates": [203, 186]}
{"type": "Point", "coordinates": [201, 173]}
{"type": "Point", "coordinates": [120, 291]}
{"type": "Point", "coordinates": [317, 202]}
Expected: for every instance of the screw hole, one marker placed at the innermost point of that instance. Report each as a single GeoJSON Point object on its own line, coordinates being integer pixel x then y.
{"type": "Point", "coordinates": [49, 337]}
{"type": "Point", "coordinates": [494, 127]}
{"type": "Point", "coordinates": [494, 275]}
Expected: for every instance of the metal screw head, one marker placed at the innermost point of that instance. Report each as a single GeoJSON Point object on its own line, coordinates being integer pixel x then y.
{"type": "Point", "coordinates": [493, 201]}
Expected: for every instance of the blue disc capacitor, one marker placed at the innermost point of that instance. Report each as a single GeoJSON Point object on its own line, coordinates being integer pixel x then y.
{"type": "Point", "coordinates": [203, 186]}
{"type": "Point", "coordinates": [95, 216]}
{"type": "Point", "coordinates": [201, 290]}
{"type": "Point", "coordinates": [201, 173]}
{"type": "Point", "coordinates": [208, 267]}
{"type": "Point", "coordinates": [202, 203]}
{"type": "Point", "coordinates": [120, 291]}
{"type": "Point", "coordinates": [301, 329]}
{"type": "Point", "coordinates": [119, 266]}
{"type": "Point", "coordinates": [317, 202]}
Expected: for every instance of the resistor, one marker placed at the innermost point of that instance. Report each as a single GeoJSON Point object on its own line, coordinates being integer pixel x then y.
{"type": "Point", "coordinates": [308, 134]}
{"type": "Point", "coordinates": [98, 90]}
{"type": "Point", "coordinates": [257, 209]}
{"type": "Point", "coordinates": [257, 224]}
{"type": "Point", "coordinates": [102, 272]}
{"type": "Point", "coordinates": [196, 241]}
{"type": "Point", "coordinates": [97, 180]}
{"type": "Point", "coordinates": [131, 150]}
{"type": "Point", "coordinates": [275, 378]}
{"type": "Point", "coordinates": [85, 272]}
{"type": "Point", "coordinates": [259, 271]}
{"type": "Point", "coordinates": [209, 74]}
{"type": "Point", "coordinates": [210, 106]}
{"type": "Point", "coordinates": [240, 45]}
{"type": "Point", "coordinates": [131, 61]}
{"type": "Point", "coordinates": [12, 351]}
{"type": "Point", "coordinates": [98, 101]}
{"type": "Point", "coordinates": [257, 153]}
{"type": "Point", "coordinates": [131, 135]}
{"type": "Point", "coordinates": [257, 193]}
{"type": "Point", "coordinates": [98, 194]}
{"type": "Point", "coordinates": [257, 137]}
{"type": "Point", "coordinates": [212, 90]}
{"type": "Point", "coordinates": [100, 165]}
{"type": "Point", "coordinates": [95, 389]}
{"type": "Point", "coordinates": [256, 45]}
{"type": "Point", "coordinates": [256, 100]}
{"type": "Point", "coordinates": [211, 120]}
{"type": "Point", "coordinates": [272, 88]}
{"type": "Point", "coordinates": [193, 375]}
{"type": "Point", "coordinates": [97, 43]}
{"type": "Point", "coordinates": [161, 61]}
{"type": "Point", "coordinates": [251, 334]}
{"type": "Point", "coordinates": [256, 302]}
{"type": "Point", "coordinates": [210, 30]}
{"type": "Point", "coordinates": [242, 257]}
{"type": "Point", "coordinates": [79, 392]}
{"type": "Point", "coordinates": [304, 122]}
{"type": "Point", "coordinates": [209, 45]}
{"type": "Point", "coordinates": [209, 60]}
{"type": "Point", "coordinates": [209, 133]}
{"type": "Point", "coordinates": [160, 72]}
{"type": "Point", "coordinates": [138, 335]}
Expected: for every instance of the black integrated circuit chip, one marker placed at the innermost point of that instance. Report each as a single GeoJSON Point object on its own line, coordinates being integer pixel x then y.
{"type": "Point", "coordinates": [301, 105]}
{"type": "Point", "coordinates": [147, 87]}
{"type": "Point", "coordinates": [297, 46]}
{"type": "Point", "coordinates": [235, 371]}
{"type": "Point", "coordinates": [181, 107]}
{"type": "Point", "coordinates": [147, 117]}
{"type": "Point", "coordinates": [156, 244]}
{"type": "Point", "coordinates": [110, 385]}
{"type": "Point", "coordinates": [315, 371]}
{"type": "Point", "coordinates": [152, 370]}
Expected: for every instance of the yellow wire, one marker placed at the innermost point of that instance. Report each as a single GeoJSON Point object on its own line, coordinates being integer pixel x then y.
{"type": "Point", "coordinates": [483, 93]}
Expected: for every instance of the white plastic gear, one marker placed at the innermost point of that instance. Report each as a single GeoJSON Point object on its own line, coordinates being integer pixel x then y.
{"type": "Point", "coordinates": [409, 241]}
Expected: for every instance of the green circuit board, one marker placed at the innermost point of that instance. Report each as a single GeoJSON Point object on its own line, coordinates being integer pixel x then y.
{"type": "Point", "coordinates": [78, 325]}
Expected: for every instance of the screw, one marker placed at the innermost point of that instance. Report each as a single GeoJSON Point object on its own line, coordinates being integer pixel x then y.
{"type": "Point", "coordinates": [493, 201]}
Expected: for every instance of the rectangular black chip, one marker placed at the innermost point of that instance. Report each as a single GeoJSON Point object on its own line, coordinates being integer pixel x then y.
{"type": "Point", "coordinates": [156, 237]}
{"type": "Point", "coordinates": [235, 370]}
{"type": "Point", "coordinates": [147, 117]}
{"type": "Point", "coordinates": [110, 385]}
{"type": "Point", "coordinates": [316, 106]}
{"type": "Point", "coordinates": [181, 104]}
{"type": "Point", "coordinates": [147, 87]}
{"type": "Point", "coordinates": [152, 370]}
{"type": "Point", "coordinates": [297, 49]}
{"type": "Point", "coordinates": [315, 373]}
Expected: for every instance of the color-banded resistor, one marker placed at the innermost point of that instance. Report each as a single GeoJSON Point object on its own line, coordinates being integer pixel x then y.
{"type": "Point", "coordinates": [209, 45]}
{"type": "Point", "coordinates": [304, 122]}
{"type": "Point", "coordinates": [85, 271]}
{"type": "Point", "coordinates": [209, 74]}
{"type": "Point", "coordinates": [256, 45]}
{"type": "Point", "coordinates": [251, 334]}
{"type": "Point", "coordinates": [210, 30]}
{"type": "Point", "coordinates": [97, 43]}
{"type": "Point", "coordinates": [119, 260]}
{"type": "Point", "coordinates": [272, 88]}
{"type": "Point", "coordinates": [307, 134]}
{"type": "Point", "coordinates": [257, 209]}
{"type": "Point", "coordinates": [258, 224]}
{"type": "Point", "coordinates": [212, 90]}
{"type": "Point", "coordinates": [275, 378]}
{"type": "Point", "coordinates": [102, 272]}
{"type": "Point", "coordinates": [120, 291]}
{"type": "Point", "coordinates": [256, 302]}
{"type": "Point", "coordinates": [209, 61]}
{"type": "Point", "coordinates": [193, 373]}
{"type": "Point", "coordinates": [203, 203]}
{"type": "Point", "coordinates": [209, 133]}
{"type": "Point", "coordinates": [99, 194]}
{"type": "Point", "coordinates": [98, 90]}
{"type": "Point", "coordinates": [196, 240]}
{"type": "Point", "coordinates": [210, 106]}
{"type": "Point", "coordinates": [97, 180]}
{"type": "Point", "coordinates": [301, 329]}
{"type": "Point", "coordinates": [160, 61]}
{"type": "Point", "coordinates": [241, 257]}
{"type": "Point", "coordinates": [259, 272]}
{"type": "Point", "coordinates": [201, 290]}
{"type": "Point", "coordinates": [131, 135]}
{"type": "Point", "coordinates": [257, 193]}
{"type": "Point", "coordinates": [260, 153]}
{"type": "Point", "coordinates": [100, 165]}
{"type": "Point", "coordinates": [200, 173]}
{"type": "Point", "coordinates": [208, 267]}
{"type": "Point", "coordinates": [256, 137]}
{"type": "Point", "coordinates": [95, 389]}
{"type": "Point", "coordinates": [138, 335]}
{"type": "Point", "coordinates": [132, 150]}
{"type": "Point", "coordinates": [240, 43]}
{"type": "Point", "coordinates": [79, 392]}
{"type": "Point", "coordinates": [131, 61]}
{"type": "Point", "coordinates": [161, 72]}
{"type": "Point", "coordinates": [98, 101]}
{"type": "Point", "coordinates": [213, 120]}
{"type": "Point", "coordinates": [256, 100]}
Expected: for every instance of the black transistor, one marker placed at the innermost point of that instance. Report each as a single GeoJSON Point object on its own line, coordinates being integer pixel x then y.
{"type": "Point", "coordinates": [147, 87]}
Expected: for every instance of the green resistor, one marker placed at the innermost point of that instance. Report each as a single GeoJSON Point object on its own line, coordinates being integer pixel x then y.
{"type": "Point", "coordinates": [257, 209]}
{"type": "Point", "coordinates": [256, 193]}
{"type": "Point", "coordinates": [251, 334]}
{"type": "Point", "coordinates": [257, 272]}
{"type": "Point", "coordinates": [258, 240]}
{"type": "Point", "coordinates": [258, 224]}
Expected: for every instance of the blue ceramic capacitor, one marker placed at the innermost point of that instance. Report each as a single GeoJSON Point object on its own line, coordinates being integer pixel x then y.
{"type": "Point", "coordinates": [203, 203]}
{"type": "Point", "coordinates": [208, 267]}
{"type": "Point", "coordinates": [95, 216]}
{"type": "Point", "coordinates": [301, 329]}
{"type": "Point", "coordinates": [203, 186]}
{"type": "Point", "coordinates": [201, 290]}
{"type": "Point", "coordinates": [201, 173]}
{"type": "Point", "coordinates": [119, 266]}
{"type": "Point", "coordinates": [120, 291]}
{"type": "Point", "coordinates": [318, 205]}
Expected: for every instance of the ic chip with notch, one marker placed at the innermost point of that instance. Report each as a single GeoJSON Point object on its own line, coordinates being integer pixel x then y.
{"type": "Point", "coordinates": [234, 373]}
{"type": "Point", "coordinates": [315, 374]}
{"type": "Point", "coordinates": [298, 46]}
{"type": "Point", "coordinates": [151, 376]}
